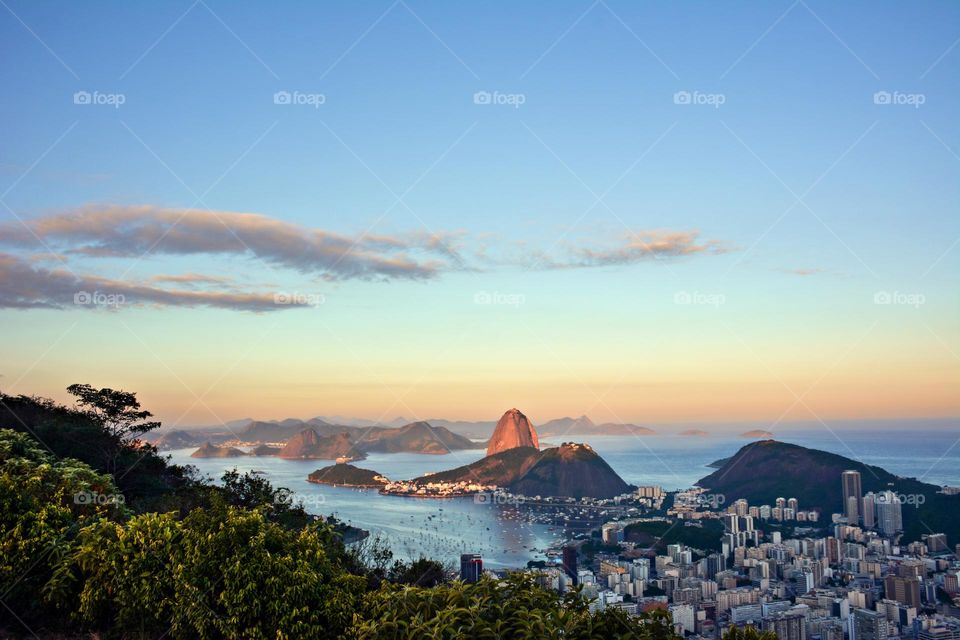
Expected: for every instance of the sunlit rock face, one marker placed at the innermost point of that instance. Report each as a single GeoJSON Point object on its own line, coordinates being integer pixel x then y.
{"type": "Point", "coordinates": [513, 430]}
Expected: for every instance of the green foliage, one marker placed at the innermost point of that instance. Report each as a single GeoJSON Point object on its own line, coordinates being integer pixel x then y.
{"type": "Point", "coordinates": [748, 633]}
{"type": "Point", "coordinates": [514, 608]}
{"type": "Point", "coordinates": [419, 573]}
{"type": "Point", "coordinates": [118, 412]}
{"type": "Point", "coordinates": [44, 502]}
{"type": "Point", "coordinates": [249, 491]}
{"type": "Point", "coordinates": [220, 572]}
{"type": "Point", "coordinates": [145, 478]}
{"type": "Point", "coordinates": [659, 534]}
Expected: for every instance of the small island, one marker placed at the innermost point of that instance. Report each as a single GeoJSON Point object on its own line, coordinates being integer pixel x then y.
{"type": "Point", "coordinates": [208, 450]}
{"type": "Point", "coordinates": [264, 450]}
{"type": "Point", "coordinates": [689, 433]}
{"type": "Point", "coordinates": [757, 433]}
{"type": "Point", "coordinates": [347, 475]}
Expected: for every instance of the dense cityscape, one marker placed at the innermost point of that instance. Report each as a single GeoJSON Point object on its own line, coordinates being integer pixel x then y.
{"type": "Point", "coordinates": [854, 578]}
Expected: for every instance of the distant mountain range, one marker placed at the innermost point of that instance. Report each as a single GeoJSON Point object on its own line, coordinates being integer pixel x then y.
{"type": "Point", "coordinates": [765, 470]}
{"type": "Point", "coordinates": [282, 430]}
{"type": "Point", "coordinates": [584, 426]}
{"type": "Point", "coordinates": [316, 439]}
{"type": "Point", "coordinates": [418, 437]}
{"type": "Point", "coordinates": [309, 445]}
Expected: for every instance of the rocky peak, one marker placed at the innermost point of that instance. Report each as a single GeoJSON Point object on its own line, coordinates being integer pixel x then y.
{"type": "Point", "coordinates": [513, 430]}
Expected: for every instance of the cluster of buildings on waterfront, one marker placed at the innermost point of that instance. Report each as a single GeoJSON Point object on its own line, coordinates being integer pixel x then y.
{"type": "Point", "coordinates": [436, 489]}
{"type": "Point", "coordinates": [850, 578]}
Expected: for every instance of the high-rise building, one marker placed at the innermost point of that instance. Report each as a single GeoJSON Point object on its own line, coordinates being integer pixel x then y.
{"type": "Point", "coordinates": [869, 510]}
{"type": "Point", "coordinates": [936, 542]}
{"type": "Point", "coordinates": [794, 504]}
{"type": "Point", "coordinates": [731, 523]}
{"type": "Point", "coordinates": [471, 567]}
{"type": "Point", "coordinates": [787, 625]}
{"type": "Point", "coordinates": [903, 590]}
{"type": "Point", "coordinates": [868, 625]}
{"type": "Point", "coordinates": [889, 513]}
{"type": "Point", "coordinates": [852, 495]}
{"type": "Point", "coordinates": [570, 562]}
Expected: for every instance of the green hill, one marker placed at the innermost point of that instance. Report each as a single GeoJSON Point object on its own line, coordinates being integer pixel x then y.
{"type": "Point", "coordinates": [766, 470]}
{"type": "Point", "coordinates": [347, 475]}
{"type": "Point", "coordinates": [570, 470]}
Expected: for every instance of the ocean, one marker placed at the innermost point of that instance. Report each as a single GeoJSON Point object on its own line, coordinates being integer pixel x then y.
{"type": "Point", "coordinates": [443, 529]}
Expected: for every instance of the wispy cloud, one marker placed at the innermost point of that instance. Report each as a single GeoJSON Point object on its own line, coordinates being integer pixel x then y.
{"type": "Point", "coordinates": [632, 249]}
{"type": "Point", "coordinates": [811, 271]}
{"type": "Point", "coordinates": [191, 278]}
{"type": "Point", "coordinates": [124, 231]}
{"type": "Point", "coordinates": [108, 231]}
{"type": "Point", "coordinates": [23, 286]}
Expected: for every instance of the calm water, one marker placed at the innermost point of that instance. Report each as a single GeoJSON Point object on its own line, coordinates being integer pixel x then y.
{"type": "Point", "coordinates": [442, 529]}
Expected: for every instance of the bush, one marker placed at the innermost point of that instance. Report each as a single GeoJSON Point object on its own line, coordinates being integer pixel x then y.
{"type": "Point", "coordinates": [44, 503]}
{"type": "Point", "coordinates": [220, 572]}
{"type": "Point", "coordinates": [515, 608]}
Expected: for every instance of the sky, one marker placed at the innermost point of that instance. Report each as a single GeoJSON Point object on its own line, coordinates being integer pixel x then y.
{"type": "Point", "coordinates": [643, 212]}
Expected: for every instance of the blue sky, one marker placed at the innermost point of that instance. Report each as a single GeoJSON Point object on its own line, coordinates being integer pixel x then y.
{"type": "Point", "coordinates": [783, 211]}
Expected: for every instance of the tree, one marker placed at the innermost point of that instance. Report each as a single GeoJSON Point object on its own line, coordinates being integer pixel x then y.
{"type": "Point", "coordinates": [748, 633]}
{"type": "Point", "coordinates": [419, 573]}
{"type": "Point", "coordinates": [44, 503]}
{"type": "Point", "coordinates": [145, 478]}
{"type": "Point", "coordinates": [222, 572]}
{"type": "Point", "coordinates": [515, 607]}
{"type": "Point", "coordinates": [118, 412]}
